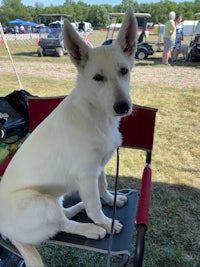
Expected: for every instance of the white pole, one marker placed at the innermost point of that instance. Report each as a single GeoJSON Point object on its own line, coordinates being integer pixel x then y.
{"type": "Point", "coordinates": [8, 50]}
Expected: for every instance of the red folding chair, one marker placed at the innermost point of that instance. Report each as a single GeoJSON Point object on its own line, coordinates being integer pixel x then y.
{"type": "Point", "coordinates": [138, 133]}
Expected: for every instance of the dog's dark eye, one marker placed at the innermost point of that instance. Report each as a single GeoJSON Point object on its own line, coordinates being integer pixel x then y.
{"type": "Point", "coordinates": [123, 71]}
{"type": "Point", "coordinates": [98, 78]}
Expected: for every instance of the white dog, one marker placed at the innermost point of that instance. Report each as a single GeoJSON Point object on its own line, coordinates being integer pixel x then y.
{"type": "Point", "coordinates": [183, 51]}
{"type": "Point", "coordinates": [68, 151]}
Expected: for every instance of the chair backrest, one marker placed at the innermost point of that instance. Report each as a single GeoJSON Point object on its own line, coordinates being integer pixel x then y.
{"type": "Point", "coordinates": [137, 129]}
{"type": "Point", "coordinates": [40, 107]}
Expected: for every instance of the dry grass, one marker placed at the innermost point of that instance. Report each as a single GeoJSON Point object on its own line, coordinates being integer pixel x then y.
{"type": "Point", "coordinates": [173, 237]}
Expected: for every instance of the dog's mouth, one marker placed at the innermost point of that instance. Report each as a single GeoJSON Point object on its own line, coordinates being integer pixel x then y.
{"type": "Point", "coordinates": [122, 108]}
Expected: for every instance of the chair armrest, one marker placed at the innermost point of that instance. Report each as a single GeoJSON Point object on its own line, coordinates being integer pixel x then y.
{"type": "Point", "coordinates": [142, 219]}
{"type": "Point", "coordinates": [145, 198]}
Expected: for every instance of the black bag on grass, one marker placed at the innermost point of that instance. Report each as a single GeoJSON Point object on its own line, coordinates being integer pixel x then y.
{"type": "Point", "coordinates": [14, 117]}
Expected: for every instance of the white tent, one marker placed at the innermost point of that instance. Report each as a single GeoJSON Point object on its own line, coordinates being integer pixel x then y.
{"type": "Point", "coordinates": [189, 27]}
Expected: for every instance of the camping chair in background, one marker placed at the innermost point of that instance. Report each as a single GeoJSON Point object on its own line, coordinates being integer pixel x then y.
{"type": "Point", "coordinates": [138, 133]}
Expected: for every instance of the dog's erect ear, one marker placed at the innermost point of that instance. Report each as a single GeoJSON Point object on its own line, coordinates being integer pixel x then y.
{"type": "Point", "coordinates": [127, 37]}
{"type": "Point", "coordinates": [77, 48]}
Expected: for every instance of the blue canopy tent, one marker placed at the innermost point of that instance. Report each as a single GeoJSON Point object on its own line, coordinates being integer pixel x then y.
{"type": "Point", "coordinates": [17, 21]}
{"type": "Point", "coordinates": [30, 23]}
{"type": "Point", "coordinates": [23, 22]}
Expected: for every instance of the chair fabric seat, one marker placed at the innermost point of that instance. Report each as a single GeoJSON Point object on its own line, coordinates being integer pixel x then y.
{"type": "Point", "coordinates": [122, 242]}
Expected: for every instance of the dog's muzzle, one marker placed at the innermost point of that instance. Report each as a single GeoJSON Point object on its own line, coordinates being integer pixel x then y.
{"type": "Point", "coordinates": [122, 108]}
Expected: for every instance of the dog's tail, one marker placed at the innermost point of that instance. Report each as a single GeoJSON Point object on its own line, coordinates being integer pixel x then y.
{"type": "Point", "coordinates": [30, 254]}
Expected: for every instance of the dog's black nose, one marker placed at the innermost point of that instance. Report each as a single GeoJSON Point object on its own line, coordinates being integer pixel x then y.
{"type": "Point", "coordinates": [122, 107]}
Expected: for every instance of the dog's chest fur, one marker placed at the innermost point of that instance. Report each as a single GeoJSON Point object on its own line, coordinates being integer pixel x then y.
{"type": "Point", "coordinates": [110, 140]}
{"type": "Point", "coordinates": [93, 131]}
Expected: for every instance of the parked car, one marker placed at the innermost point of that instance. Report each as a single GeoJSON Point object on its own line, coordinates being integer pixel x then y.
{"type": "Point", "coordinates": [143, 48]}
{"type": "Point", "coordinates": [194, 47]}
{"type": "Point", "coordinates": [51, 38]}
{"type": "Point", "coordinates": [7, 30]}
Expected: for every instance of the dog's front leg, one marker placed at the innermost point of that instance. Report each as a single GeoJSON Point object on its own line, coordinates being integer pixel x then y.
{"type": "Point", "coordinates": [106, 195]}
{"type": "Point", "coordinates": [89, 193]}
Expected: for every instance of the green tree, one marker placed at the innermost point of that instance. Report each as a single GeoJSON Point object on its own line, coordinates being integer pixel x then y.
{"type": "Point", "coordinates": [128, 3]}
{"type": "Point", "coordinates": [12, 9]}
{"type": "Point", "coordinates": [98, 16]}
{"type": "Point", "coordinates": [109, 8]}
{"type": "Point", "coordinates": [80, 11]}
{"type": "Point", "coordinates": [68, 2]}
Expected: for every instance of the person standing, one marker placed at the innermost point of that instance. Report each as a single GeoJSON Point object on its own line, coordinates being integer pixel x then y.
{"type": "Point", "coordinates": [16, 29]}
{"type": "Point", "coordinates": [169, 37]}
{"type": "Point", "coordinates": [22, 29]}
{"type": "Point", "coordinates": [179, 37]}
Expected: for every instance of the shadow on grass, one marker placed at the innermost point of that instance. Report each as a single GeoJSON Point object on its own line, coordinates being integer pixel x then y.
{"type": "Point", "coordinates": [172, 238]}
{"type": "Point", "coordinates": [26, 54]}
{"type": "Point", "coordinates": [34, 54]}
{"type": "Point", "coordinates": [152, 61]}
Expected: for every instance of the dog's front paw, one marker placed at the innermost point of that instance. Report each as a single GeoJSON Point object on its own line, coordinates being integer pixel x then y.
{"type": "Point", "coordinates": [121, 200]}
{"type": "Point", "coordinates": [117, 227]}
{"type": "Point", "coordinates": [108, 225]}
{"type": "Point", "coordinates": [109, 199]}
{"type": "Point", "coordinates": [94, 231]}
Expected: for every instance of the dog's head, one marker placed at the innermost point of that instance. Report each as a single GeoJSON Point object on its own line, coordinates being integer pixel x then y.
{"type": "Point", "coordinates": [104, 72]}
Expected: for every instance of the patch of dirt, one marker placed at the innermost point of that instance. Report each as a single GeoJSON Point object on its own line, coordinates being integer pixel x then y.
{"type": "Point", "coordinates": [174, 76]}
{"type": "Point", "coordinates": [39, 69]}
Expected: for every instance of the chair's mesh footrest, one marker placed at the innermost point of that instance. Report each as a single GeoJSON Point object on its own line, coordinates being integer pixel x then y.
{"type": "Point", "coordinates": [122, 242]}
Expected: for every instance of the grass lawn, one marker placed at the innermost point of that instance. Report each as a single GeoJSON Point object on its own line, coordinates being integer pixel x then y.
{"type": "Point", "coordinates": [173, 238]}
